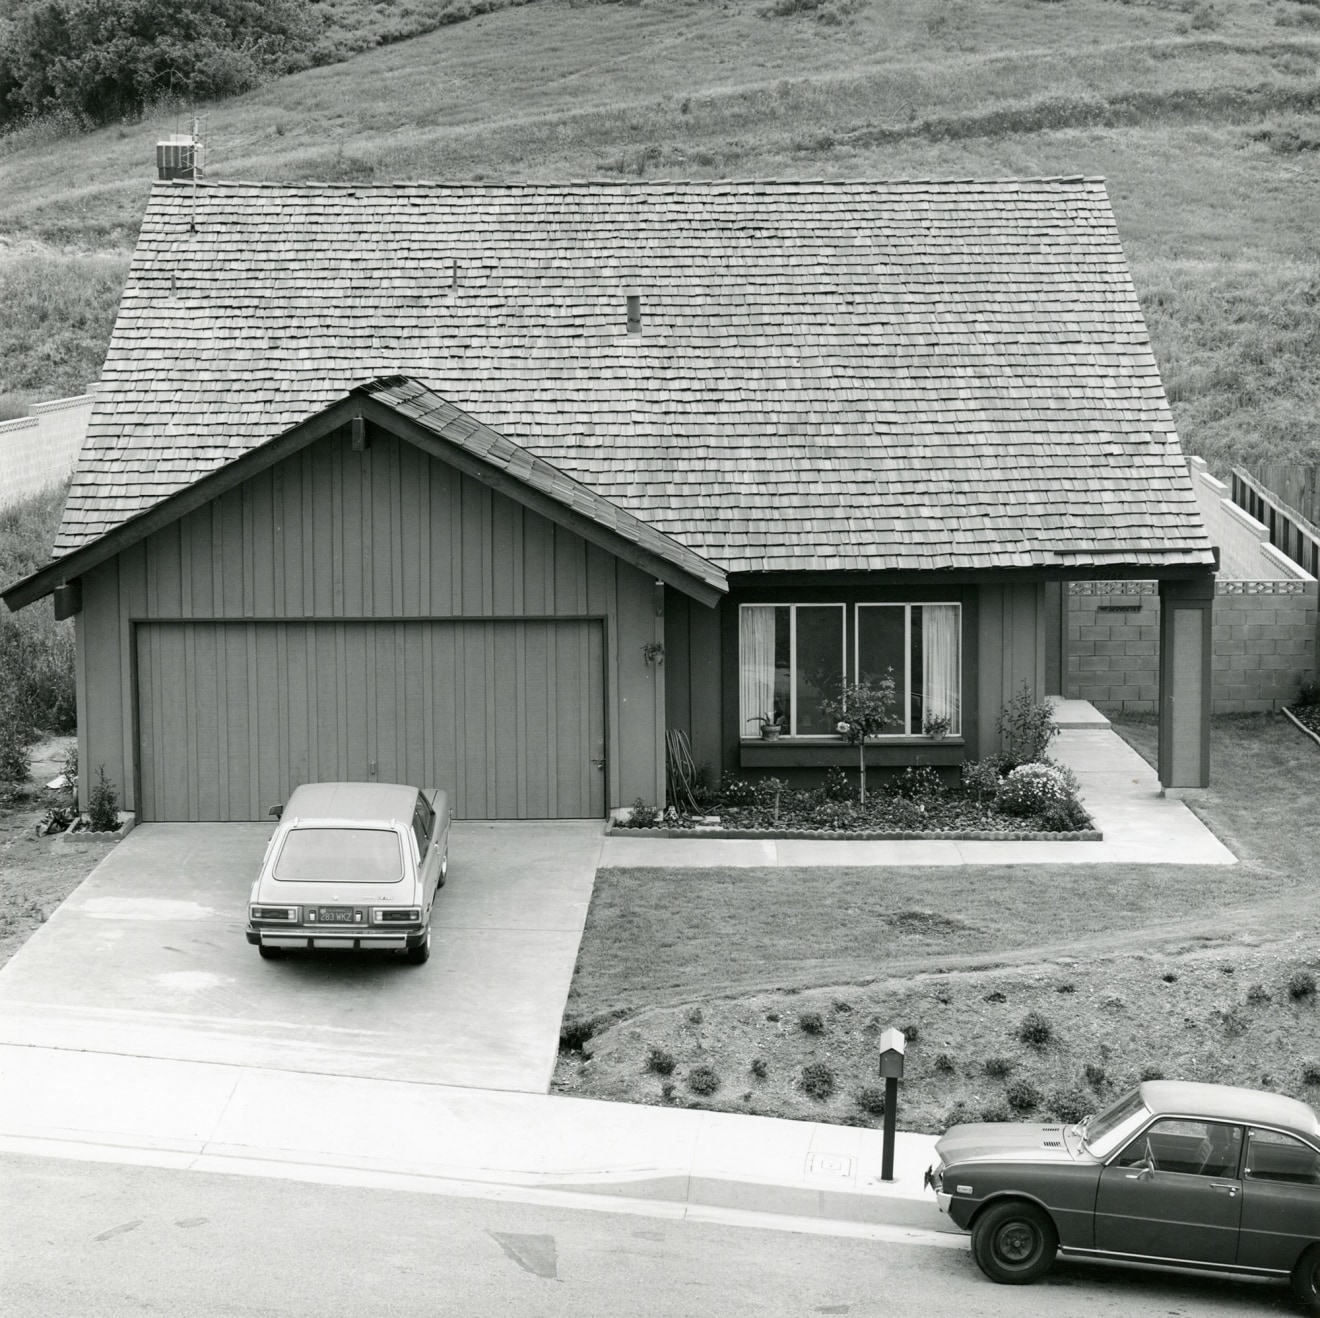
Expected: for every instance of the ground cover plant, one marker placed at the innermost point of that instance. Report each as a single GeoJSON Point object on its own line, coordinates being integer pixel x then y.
{"type": "Point", "coordinates": [1200, 118]}
{"type": "Point", "coordinates": [1306, 708]}
{"type": "Point", "coordinates": [1072, 981]}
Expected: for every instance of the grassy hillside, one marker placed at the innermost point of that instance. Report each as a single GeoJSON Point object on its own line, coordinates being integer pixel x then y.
{"type": "Point", "coordinates": [1204, 118]}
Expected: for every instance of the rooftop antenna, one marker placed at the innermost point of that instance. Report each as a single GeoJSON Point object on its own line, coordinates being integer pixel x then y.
{"type": "Point", "coordinates": [183, 156]}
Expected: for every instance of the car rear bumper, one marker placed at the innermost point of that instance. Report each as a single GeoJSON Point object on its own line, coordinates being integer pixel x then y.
{"type": "Point", "coordinates": [359, 940]}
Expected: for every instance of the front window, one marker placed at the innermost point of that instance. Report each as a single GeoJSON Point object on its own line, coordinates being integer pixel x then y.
{"type": "Point", "coordinates": [340, 855]}
{"type": "Point", "coordinates": [921, 646]}
{"type": "Point", "coordinates": [790, 660]}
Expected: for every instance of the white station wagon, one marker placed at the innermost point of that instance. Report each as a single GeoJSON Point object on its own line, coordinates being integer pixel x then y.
{"type": "Point", "coordinates": [352, 865]}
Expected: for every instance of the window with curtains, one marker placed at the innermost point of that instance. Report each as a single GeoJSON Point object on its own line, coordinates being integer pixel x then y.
{"type": "Point", "coordinates": [791, 657]}
{"type": "Point", "coordinates": [922, 645]}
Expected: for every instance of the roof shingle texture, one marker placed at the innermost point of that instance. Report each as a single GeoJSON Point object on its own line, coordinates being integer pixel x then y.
{"type": "Point", "coordinates": [828, 375]}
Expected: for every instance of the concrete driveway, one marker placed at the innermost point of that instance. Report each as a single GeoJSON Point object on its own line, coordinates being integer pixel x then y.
{"type": "Point", "coordinates": [147, 958]}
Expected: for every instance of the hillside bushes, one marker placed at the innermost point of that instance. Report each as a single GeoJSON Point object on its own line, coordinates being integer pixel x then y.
{"type": "Point", "coordinates": [94, 61]}
{"type": "Point", "coordinates": [36, 652]}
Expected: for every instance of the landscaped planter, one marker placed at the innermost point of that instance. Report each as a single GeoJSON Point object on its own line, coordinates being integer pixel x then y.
{"type": "Point", "coordinates": [1307, 718]}
{"type": "Point", "coordinates": [80, 832]}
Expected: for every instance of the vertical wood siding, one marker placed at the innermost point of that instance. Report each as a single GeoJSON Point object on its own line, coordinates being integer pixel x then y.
{"type": "Point", "coordinates": [1010, 651]}
{"type": "Point", "coordinates": [391, 533]}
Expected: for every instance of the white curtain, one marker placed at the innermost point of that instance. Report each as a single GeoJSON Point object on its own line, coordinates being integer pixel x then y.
{"type": "Point", "coordinates": [941, 663]}
{"type": "Point", "coordinates": [756, 663]}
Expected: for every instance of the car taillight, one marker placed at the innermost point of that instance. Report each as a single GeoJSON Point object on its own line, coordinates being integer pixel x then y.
{"type": "Point", "coordinates": [275, 913]}
{"type": "Point", "coordinates": [396, 915]}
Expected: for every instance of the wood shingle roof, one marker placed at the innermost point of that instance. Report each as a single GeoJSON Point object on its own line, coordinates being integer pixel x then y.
{"type": "Point", "coordinates": [827, 375]}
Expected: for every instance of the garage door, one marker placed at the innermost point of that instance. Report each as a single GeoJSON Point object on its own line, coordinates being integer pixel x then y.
{"type": "Point", "coordinates": [507, 715]}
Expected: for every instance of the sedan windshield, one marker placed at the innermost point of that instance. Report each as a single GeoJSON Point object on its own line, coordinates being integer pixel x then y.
{"type": "Point", "coordinates": [340, 855]}
{"type": "Point", "coordinates": [1112, 1119]}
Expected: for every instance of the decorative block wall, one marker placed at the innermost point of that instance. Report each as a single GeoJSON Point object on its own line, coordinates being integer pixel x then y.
{"type": "Point", "coordinates": [41, 449]}
{"type": "Point", "coordinates": [1264, 644]}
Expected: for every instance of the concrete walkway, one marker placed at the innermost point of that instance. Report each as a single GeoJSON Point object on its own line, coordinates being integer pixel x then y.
{"type": "Point", "coordinates": [435, 1139]}
{"type": "Point", "coordinates": [1122, 792]}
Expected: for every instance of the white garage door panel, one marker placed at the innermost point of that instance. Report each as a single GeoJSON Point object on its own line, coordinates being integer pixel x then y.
{"type": "Point", "coordinates": [507, 715]}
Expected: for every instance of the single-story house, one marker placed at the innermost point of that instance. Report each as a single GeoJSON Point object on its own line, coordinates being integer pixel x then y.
{"type": "Point", "coordinates": [491, 486]}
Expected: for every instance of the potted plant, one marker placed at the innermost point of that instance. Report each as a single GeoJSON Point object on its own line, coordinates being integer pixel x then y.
{"type": "Point", "coordinates": [937, 726]}
{"type": "Point", "coordinates": [770, 726]}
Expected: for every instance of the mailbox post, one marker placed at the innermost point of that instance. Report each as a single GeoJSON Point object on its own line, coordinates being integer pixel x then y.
{"type": "Point", "coordinates": [893, 1043]}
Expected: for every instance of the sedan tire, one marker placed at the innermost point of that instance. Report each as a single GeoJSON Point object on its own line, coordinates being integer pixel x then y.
{"type": "Point", "coordinates": [1306, 1280]}
{"type": "Point", "coordinates": [421, 954]}
{"type": "Point", "coordinates": [1014, 1243]}
{"type": "Point", "coordinates": [269, 953]}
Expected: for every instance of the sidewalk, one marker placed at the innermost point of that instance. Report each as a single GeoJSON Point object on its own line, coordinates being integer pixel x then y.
{"type": "Point", "coordinates": [232, 1119]}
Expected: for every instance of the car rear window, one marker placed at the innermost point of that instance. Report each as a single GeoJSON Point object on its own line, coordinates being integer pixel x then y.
{"type": "Point", "coordinates": [340, 855]}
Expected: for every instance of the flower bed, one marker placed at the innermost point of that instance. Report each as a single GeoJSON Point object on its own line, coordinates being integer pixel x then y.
{"type": "Point", "coordinates": [1307, 717]}
{"type": "Point", "coordinates": [1034, 802]}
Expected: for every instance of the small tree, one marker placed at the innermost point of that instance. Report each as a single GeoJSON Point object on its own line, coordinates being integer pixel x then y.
{"type": "Point", "coordinates": [864, 709]}
{"type": "Point", "coordinates": [1027, 727]}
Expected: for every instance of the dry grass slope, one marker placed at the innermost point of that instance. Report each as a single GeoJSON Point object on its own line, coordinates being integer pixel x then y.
{"type": "Point", "coordinates": [1202, 117]}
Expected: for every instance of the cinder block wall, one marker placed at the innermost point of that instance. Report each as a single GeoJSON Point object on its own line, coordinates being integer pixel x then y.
{"type": "Point", "coordinates": [41, 449]}
{"type": "Point", "coordinates": [1263, 646]}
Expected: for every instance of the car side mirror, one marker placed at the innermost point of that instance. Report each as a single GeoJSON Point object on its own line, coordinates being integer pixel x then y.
{"type": "Point", "coordinates": [276, 811]}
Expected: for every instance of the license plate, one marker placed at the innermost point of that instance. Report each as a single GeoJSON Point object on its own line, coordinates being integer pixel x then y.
{"type": "Point", "coordinates": [335, 915]}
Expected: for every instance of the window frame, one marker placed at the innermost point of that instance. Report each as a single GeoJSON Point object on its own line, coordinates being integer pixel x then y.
{"type": "Point", "coordinates": [842, 606]}
{"type": "Point", "coordinates": [904, 699]}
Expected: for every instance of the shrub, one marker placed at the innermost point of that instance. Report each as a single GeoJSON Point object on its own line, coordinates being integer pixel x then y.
{"type": "Point", "coordinates": [980, 778]}
{"type": "Point", "coordinates": [872, 1100]}
{"type": "Point", "coordinates": [811, 1022]}
{"type": "Point", "coordinates": [103, 805]}
{"type": "Point", "coordinates": [643, 815]}
{"type": "Point", "coordinates": [944, 1064]}
{"type": "Point", "coordinates": [1152, 1073]}
{"type": "Point", "coordinates": [1031, 789]}
{"type": "Point", "coordinates": [998, 1067]}
{"type": "Point", "coordinates": [659, 1061]}
{"type": "Point", "coordinates": [994, 996]}
{"type": "Point", "coordinates": [920, 783]}
{"type": "Point", "coordinates": [1170, 977]}
{"type": "Point", "coordinates": [1234, 1021]}
{"type": "Point", "coordinates": [842, 1007]}
{"type": "Point", "coordinates": [15, 738]}
{"type": "Point", "coordinates": [703, 1080]}
{"type": "Point", "coordinates": [911, 1031]}
{"type": "Point", "coordinates": [772, 1016]}
{"type": "Point", "coordinates": [1068, 1104]}
{"type": "Point", "coordinates": [1065, 817]}
{"type": "Point", "coordinates": [1035, 1030]}
{"type": "Point", "coordinates": [1095, 1075]}
{"type": "Point", "coordinates": [667, 1090]}
{"type": "Point", "coordinates": [1258, 995]}
{"type": "Point", "coordinates": [695, 1016]}
{"type": "Point", "coordinates": [818, 1080]}
{"type": "Point", "coordinates": [1065, 988]}
{"type": "Point", "coordinates": [1027, 727]}
{"type": "Point", "coordinates": [759, 1068]}
{"type": "Point", "coordinates": [99, 62]}
{"type": "Point", "coordinates": [1021, 1095]}
{"type": "Point", "coordinates": [861, 711]}
{"type": "Point", "coordinates": [1301, 984]}
{"type": "Point", "coordinates": [996, 1111]}
{"type": "Point", "coordinates": [1311, 1073]}
{"type": "Point", "coordinates": [574, 1032]}
{"type": "Point", "coordinates": [838, 786]}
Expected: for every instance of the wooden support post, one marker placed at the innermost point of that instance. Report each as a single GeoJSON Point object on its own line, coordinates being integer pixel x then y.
{"type": "Point", "coordinates": [1186, 614]}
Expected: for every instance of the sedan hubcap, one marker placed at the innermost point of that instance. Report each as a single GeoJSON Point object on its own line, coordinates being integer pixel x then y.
{"type": "Point", "coordinates": [1017, 1241]}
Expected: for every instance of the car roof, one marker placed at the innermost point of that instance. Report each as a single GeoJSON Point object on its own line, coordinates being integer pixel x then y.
{"type": "Point", "coordinates": [1229, 1103]}
{"type": "Point", "coordinates": [375, 802]}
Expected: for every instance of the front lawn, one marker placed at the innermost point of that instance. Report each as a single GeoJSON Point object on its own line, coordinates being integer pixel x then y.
{"type": "Point", "coordinates": [715, 967]}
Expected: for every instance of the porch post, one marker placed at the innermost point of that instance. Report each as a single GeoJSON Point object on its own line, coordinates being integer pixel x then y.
{"type": "Point", "coordinates": [1186, 612]}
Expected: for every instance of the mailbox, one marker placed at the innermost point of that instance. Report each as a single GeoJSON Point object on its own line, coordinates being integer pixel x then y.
{"type": "Point", "coordinates": [892, 1045]}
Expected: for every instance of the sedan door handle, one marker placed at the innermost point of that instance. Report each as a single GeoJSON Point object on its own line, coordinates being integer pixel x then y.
{"type": "Point", "coordinates": [1224, 1185]}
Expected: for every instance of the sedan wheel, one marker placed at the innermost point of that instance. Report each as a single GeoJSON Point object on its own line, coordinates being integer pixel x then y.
{"type": "Point", "coordinates": [444, 867]}
{"type": "Point", "coordinates": [1306, 1280]}
{"type": "Point", "coordinates": [270, 953]}
{"type": "Point", "coordinates": [1014, 1243]}
{"type": "Point", "coordinates": [421, 954]}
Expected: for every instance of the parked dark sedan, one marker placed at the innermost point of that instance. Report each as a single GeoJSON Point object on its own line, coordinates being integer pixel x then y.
{"type": "Point", "coordinates": [1190, 1175]}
